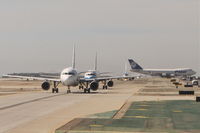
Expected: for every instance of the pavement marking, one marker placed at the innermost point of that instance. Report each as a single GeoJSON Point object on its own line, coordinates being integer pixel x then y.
{"type": "Point", "coordinates": [89, 131]}
{"type": "Point", "coordinates": [142, 105]}
{"type": "Point", "coordinates": [140, 117]}
{"type": "Point", "coordinates": [139, 109]}
{"type": "Point", "coordinates": [96, 125]}
{"type": "Point", "coordinates": [30, 101]}
{"type": "Point", "coordinates": [177, 111]}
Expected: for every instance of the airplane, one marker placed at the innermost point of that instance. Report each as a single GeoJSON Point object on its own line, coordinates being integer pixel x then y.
{"type": "Point", "coordinates": [95, 75]}
{"type": "Point", "coordinates": [90, 74]}
{"type": "Point", "coordinates": [126, 75]}
{"type": "Point", "coordinates": [179, 72]}
{"type": "Point", "coordinates": [69, 77]}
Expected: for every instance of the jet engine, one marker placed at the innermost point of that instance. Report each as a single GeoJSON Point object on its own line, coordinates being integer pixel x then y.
{"type": "Point", "coordinates": [94, 86]}
{"type": "Point", "coordinates": [172, 75]}
{"type": "Point", "coordinates": [45, 85]}
{"type": "Point", "coordinates": [167, 75]}
{"type": "Point", "coordinates": [110, 83]}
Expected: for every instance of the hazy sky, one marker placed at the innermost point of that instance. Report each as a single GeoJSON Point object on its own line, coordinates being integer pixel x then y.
{"type": "Point", "coordinates": [38, 35]}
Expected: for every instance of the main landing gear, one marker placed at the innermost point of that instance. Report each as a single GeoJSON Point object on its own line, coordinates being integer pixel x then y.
{"type": "Point", "coordinates": [105, 85]}
{"type": "Point", "coordinates": [86, 89]}
{"type": "Point", "coordinates": [55, 85]}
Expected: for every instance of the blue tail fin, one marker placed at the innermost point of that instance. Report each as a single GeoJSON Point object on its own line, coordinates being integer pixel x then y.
{"type": "Point", "coordinates": [134, 65]}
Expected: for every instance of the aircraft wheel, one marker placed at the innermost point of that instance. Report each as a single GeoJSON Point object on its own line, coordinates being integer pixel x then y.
{"type": "Point", "coordinates": [80, 87]}
{"type": "Point", "coordinates": [53, 90]}
{"type": "Point", "coordinates": [88, 90]}
{"type": "Point", "coordinates": [56, 90]}
{"type": "Point", "coordinates": [68, 91]}
{"type": "Point", "coordinates": [106, 87]}
{"type": "Point", "coordinates": [85, 90]}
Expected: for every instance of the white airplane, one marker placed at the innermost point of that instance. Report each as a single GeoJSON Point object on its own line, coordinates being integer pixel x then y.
{"type": "Point", "coordinates": [69, 77]}
{"type": "Point", "coordinates": [125, 71]}
{"type": "Point", "coordinates": [126, 74]}
{"type": "Point", "coordinates": [182, 72]}
{"type": "Point", "coordinates": [95, 76]}
{"type": "Point", "coordinates": [91, 74]}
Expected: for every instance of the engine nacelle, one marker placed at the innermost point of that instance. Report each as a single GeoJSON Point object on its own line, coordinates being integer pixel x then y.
{"type": "Point", "coordinates": [195, 82]}
{"type": "Point", "coordinates": [172, 75]}
{"type": "Point", "coordinates": [167, 75]}
{"type": "Point", "coordinates": [94, 86]}
{"type": "Point", "coordinates": [110, 83]}
{"type": "Point", "coordinates": [46, 86]}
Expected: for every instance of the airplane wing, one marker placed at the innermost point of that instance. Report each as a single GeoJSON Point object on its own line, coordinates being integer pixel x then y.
{"type": "Point", "coordinates": [103, 73]}
{"type": "Point", "coordinates": [105, 78]}
{"type": "Point", "coordinates": [32, 78]}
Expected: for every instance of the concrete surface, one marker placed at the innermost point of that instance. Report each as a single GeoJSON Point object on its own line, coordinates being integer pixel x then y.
{"type": "Point", "coordinates": [36, 111]}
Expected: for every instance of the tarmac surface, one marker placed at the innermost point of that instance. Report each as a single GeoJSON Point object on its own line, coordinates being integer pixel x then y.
{"type": "Point", "coordinates": [25, 108]}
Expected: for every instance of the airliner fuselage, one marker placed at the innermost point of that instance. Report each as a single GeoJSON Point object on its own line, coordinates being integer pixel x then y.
{"type": "Point", "coordinates": [69, 77]}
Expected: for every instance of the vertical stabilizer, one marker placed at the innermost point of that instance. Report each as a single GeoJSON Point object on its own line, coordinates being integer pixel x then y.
{"type": "Point", "coordinates": [73, 58]}
{"type": "Point", "coordinates": [95, 65]}
{"type": "Point", "coordinates": [126, 69]}
{"type": "Point", "coordinates": [134, 65]}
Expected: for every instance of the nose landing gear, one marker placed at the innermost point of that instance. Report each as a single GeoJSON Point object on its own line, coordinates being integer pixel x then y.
{"type": "Point", "coordinates": [68, 90]}
{"type": "Point", "coordinates": [105, 85]}
{"type": "Point", "coordinates": [87, 90]}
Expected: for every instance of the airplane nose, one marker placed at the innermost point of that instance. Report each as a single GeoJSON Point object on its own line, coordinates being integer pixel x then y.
{"type": "Point", "coordinates": [68, 81]}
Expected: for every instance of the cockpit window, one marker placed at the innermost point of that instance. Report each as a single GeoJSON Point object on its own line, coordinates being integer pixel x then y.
{"type": "Point", "coordinates": [69, 73]}
{"type": "Point", "coordinates": [91, 74]}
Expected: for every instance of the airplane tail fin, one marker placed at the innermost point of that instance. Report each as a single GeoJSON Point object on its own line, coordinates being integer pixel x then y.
{"type": "Point", "coordinates": [95, 64]}
{"type": "Point", "coordinates": [73, 58]}
{"type": "Point", "coordinates": [134, 65]}
{"type": "Point", "coordinates": [126, 68]}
